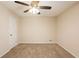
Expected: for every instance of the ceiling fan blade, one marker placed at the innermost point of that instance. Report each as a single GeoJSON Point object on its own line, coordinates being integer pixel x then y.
{"type": "Point", "coordinates": [26, 11]}
{"type": "Point", "coordinates": [38, 13]}
{"type": "Point", "coordinates": [45, 7]}
{"type": "Point", "coordinates": [22, 3]}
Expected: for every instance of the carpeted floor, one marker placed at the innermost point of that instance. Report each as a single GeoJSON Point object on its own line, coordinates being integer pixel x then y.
{"type": "Point", "coordinates": [37, 51]}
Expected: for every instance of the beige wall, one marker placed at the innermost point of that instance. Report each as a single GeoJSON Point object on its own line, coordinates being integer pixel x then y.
{"type": "Point", "coordinates": [7, 27]}
{"type": "Point", "coordinates": [37, 29]}
{"type": "Point", "coordinates": [68, 30]}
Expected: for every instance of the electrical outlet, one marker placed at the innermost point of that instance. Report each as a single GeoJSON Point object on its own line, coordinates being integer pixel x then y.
{"type": "Point", "coordinates": [50, 40]}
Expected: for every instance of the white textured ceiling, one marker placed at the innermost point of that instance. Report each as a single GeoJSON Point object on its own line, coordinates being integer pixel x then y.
{"type": "Point", "coordinates": [57, 7]}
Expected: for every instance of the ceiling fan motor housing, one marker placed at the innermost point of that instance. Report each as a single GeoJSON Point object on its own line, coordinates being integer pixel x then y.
{"type": "Point", "coordinates": [34, 3]}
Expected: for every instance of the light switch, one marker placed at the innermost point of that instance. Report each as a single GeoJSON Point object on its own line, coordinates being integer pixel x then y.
{"type": "Point", "coordinates": [10, 34]}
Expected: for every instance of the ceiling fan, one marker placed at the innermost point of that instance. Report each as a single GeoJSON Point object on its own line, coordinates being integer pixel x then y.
{"type": "Point", "coordinates": [35, 7]}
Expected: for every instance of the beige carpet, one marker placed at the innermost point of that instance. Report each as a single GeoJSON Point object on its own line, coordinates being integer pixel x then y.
{"type": "Point", "coordinates": [37, 51]}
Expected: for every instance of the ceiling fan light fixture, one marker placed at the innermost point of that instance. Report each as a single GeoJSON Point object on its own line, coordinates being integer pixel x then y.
{"type": "Point", "coordinates": [34, 10]}
{"type": "Point", "coordinates": [35, 6]}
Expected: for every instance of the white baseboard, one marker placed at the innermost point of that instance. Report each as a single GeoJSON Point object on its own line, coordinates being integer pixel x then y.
{"type": "Point", "coordinates": [8, 50]}
{"type": "Point", "coordinates": [67, 50]}
{"type": "Point", "coordinates": [36, 43]}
